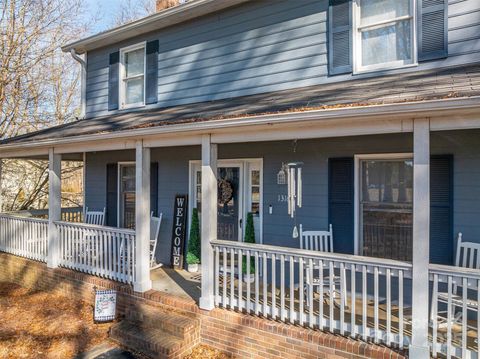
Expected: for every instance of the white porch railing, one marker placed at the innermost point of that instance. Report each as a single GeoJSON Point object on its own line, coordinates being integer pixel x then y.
{"type": "Point", "coordinates": [351, 295]}
{"type": "Point", "coordinates": [69, 214]}
{"type": "Point", "coordinates": [24, 237]}
{"type": "Point", "coordinates": [455, 320]}
{"type": "Point", "coordinates": [103, 251]}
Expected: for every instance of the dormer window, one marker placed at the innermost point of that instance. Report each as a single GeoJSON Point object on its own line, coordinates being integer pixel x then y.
{"type": "Point", "coordinates": [132, 76]}
{"type": "Point", "coordinates": [384, 34]}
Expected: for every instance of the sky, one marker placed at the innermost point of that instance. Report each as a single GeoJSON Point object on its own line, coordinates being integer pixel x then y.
{"type": "Point", "coordinates": [103, 11]}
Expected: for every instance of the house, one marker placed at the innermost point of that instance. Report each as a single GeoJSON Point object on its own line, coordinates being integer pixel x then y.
{"type": "Point", "coordinates": [363, 115]}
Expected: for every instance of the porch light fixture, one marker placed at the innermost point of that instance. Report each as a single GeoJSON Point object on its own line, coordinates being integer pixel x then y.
{"type": "Point", "coordinates": [282, 175]}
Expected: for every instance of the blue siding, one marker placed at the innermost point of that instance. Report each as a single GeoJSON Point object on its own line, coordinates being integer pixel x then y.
{"type": "Point", "coordinates": [258, 47]}
{"type": "Point", "coordinates": [277, 227]}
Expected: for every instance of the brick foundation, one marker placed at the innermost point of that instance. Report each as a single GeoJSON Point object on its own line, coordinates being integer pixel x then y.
{"type": "Point", "coordinates": [241, 335]}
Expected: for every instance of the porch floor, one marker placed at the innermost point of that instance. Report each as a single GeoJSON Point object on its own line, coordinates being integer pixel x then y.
{"type": "Point", "coordinates": [179, 283]}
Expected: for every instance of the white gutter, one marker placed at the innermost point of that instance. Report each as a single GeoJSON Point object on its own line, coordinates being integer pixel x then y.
{"type": "Point", "coordinates": [155, 22]}
{"type": "Point", "coordinates": [83, 85]}
{"type": "Point", "coordinates": [408, 110]}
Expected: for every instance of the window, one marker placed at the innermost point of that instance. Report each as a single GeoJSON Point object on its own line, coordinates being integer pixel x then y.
{"type": "Point", "coordinates": [384, 34]}
{"type": "Point", "coordinates": [132, 74]}
{"type": "Point", "coordinates": [385, 200]}
{"type": "Point", "coordinates": [255, 192]}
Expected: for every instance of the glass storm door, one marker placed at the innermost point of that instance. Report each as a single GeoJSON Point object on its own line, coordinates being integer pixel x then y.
{"type": "Point", "coordinates": [386, 208]}
{"type": "Point", "coordinates": [127, 196]}
{"type": "Point", "coordinates": [228, 214]}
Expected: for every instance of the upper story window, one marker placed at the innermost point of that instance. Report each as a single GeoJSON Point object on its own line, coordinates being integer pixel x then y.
{"type": "Point", "coordinates": [384, 34]}
{"type": "Point", "coordinates": [132, 76]}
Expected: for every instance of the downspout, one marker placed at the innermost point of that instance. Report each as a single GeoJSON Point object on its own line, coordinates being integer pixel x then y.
{"type": "Point", "coordinates": [82, 62]}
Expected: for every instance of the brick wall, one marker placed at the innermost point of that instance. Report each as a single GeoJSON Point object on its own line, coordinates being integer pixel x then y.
{"type": "Point", "coordinates": [241, 335]}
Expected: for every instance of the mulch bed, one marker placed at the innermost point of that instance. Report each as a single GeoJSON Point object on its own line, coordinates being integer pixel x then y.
{"type": "Point", "coordinates": [204, 352]}
{"type": "Point", "coordinates": [39, 324]}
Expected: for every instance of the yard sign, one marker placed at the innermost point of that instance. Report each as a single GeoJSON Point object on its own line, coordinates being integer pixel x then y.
{"type": "Point", "coordinates": [105, 305]}
{"type": "Point", "coordinates": [179, 230]}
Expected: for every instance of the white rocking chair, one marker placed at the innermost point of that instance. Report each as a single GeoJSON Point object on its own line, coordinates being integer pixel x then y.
{"type": "Point", "coordinates": [95, 217]}
{"type": "Point", "coordinates": [155, 223]}
{"type": "Point", "coordinates": [467, 256]}
{"type": "Point", "coordinates": [320, 241]}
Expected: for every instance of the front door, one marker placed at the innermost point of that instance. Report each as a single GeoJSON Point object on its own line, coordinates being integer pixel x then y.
{"type": "Point", "coordinates": [239, 192]}
{"type": "Point", "coordinates": [228, 214]}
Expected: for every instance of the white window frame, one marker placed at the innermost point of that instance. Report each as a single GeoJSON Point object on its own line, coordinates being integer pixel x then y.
{"type": "Point", "coordinates": [357, 41]}
{"type": "Point", "coordinates": [122, 79]}
{"type": "Point", "coordinates": [358, 245]}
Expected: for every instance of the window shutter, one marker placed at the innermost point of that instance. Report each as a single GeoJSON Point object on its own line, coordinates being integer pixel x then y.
{"type": "Point", "coordinates": [113, 80]}
{"type": "Point", "coordinates": [112, 194]}
{"type": "Point", "coordinates": [441, 210]}
{"type": "Point", "coordinates": [341, 203]}
{"type": "Point", "coordinates": [432, 29]}
{"type": "Point", "coordinates": [154, 188]}
{"type": "Point", "coordinates": [151, 80]}
{"type": "Point", "coordinates": [340, 37]}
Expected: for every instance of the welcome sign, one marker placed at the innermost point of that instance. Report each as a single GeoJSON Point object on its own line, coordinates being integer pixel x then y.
{"type": "Point", "coordinates": [179, 230]}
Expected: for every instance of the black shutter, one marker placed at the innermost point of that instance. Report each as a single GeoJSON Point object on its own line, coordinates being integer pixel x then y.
{"type": "Point", "coordinates": [441, 210]}
{"type": "Point", "coordinates": [340, 37]}
{"type": "Point", "coordinates": [113, 79]}
{"type": "Point", "coordinates": [341, 203]}
{"type": "Point", "coordinates": [112, 194]}
{"type": "Point", "coordinates": [432, 29]}
{"type": "Point", "coordinates": [151, 80]}
{"type": "Point", "coordinates": [154, 188]}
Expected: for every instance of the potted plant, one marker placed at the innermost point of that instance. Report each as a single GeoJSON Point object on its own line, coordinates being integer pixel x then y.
{"type": "Point", "coordinates": [249, 238]}
{"type": "Point", "coordinates": [194, 247]}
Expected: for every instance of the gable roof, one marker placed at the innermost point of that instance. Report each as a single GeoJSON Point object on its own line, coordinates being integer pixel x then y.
{"type": "Point", "coordinates": [168, 17]}
{"type": "Point", "coordinates": [458, 82]}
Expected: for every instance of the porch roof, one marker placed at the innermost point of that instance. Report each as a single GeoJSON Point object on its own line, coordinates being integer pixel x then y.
{"type": "Point", "coordinates": [400, 88]}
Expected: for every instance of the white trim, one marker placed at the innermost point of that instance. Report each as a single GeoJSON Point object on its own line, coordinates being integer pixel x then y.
{"type": "Point", "coordinates": [357, 184]}
{"type": "Point", "coordinates": [358, 68]}
{"type": "Point", "coordinates": [122, 80]}
{"type": "Point", "coordinates": [119, 183]}
{"type": "Point", "coordinates": [244, 191]}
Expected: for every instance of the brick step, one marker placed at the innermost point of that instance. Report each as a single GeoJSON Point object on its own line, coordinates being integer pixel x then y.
{"type": "Point", "coordinates": [169, 321]}
{"type": "Point", "coordinates": [153, 342]}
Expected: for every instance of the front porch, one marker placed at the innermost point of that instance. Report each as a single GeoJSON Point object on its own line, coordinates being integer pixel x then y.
{"type": "Point", "coordinates": [394, 302]}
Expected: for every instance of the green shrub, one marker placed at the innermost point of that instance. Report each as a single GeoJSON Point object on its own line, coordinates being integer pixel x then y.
{"type": "Point", "coordinates": [194, 253]}
{"type": "Point", "coordinates": [249, 238]}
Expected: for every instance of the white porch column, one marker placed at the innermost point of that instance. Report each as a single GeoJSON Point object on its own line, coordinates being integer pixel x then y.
{"type": "Point", "coordinates": [142, 219]}
{"type": "Point", "coordinates": [421, 236]}
{"type": "Point", "coordinates": [209, 219]}
{"type": "Point", "coordinates": [54, 206]}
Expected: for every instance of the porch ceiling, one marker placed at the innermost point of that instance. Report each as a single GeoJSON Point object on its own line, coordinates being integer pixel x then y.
{"type": "Point", "coordinates": [424, 91]}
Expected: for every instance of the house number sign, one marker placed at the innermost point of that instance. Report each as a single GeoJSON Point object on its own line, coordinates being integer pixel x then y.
{"type": "Point", "coordinates": [179, 230]}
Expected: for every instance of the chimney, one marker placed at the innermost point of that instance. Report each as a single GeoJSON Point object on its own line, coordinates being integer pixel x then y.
{"type": "Point", "coordinates": [165, 4]}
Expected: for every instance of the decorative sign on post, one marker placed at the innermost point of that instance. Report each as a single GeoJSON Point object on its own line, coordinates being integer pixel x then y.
{"type": "Point", "coordinates": [179, 230]}
{"type": "Point", "coordinates": [105, 306]}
